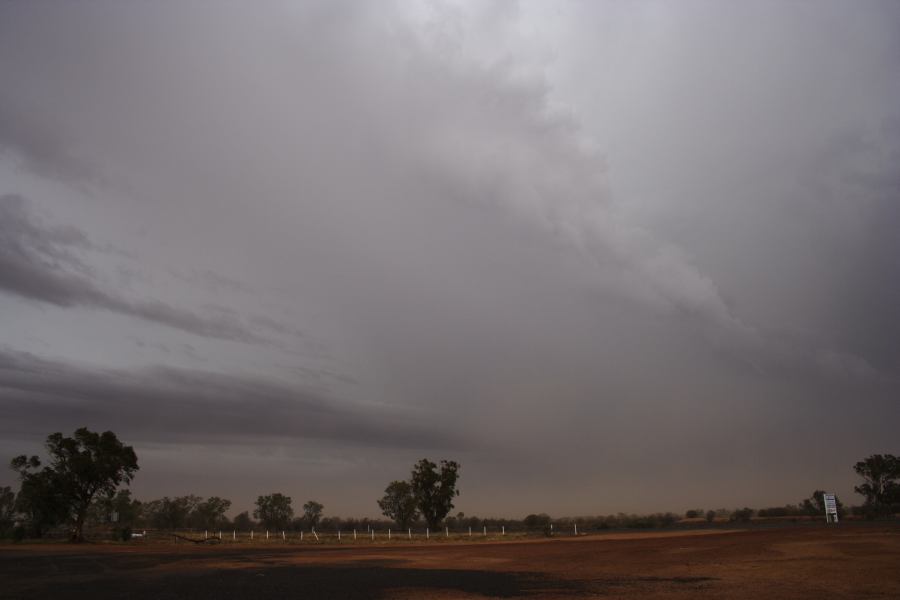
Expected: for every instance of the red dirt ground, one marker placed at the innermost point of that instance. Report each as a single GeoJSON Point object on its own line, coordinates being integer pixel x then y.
{"type": "Point", "coordinates": [846, 561]}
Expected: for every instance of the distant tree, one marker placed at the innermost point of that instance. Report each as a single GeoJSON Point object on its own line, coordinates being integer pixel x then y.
{"type": "Point", "coordinates": [456, 521]}
{"type": "Point", "coordinates": [243, 521]}
{"type": "Point", "coordinates": [434, 490]}
{"type": "Point", "coordinates": [148, 515]}
{"type": "Point", "coordinates": [788, 510]}
{"type": "Point", "coordinates": [210, 513]}
{"type": "Point", "coordinates": [81, 467]}
{"type": "Point", "coordinates": [710, 516]}
{"type": "Point", "coordinates": [274, 511]}
{"type": "Point", "coordinates": [119, 508]}
{"type": "Point", "coordinates": [537, 522]}
{"type": "Point", "coordinates": [399, 503]}
{"type": "Point", "coordinates": [743, 514]}
{"type": "Point", "coordinates": [40, 502]}
{"type": "Point", "coordinates": [312, 513]}
{"type": "Point", "coordinates": [171, 513]}
{"type": "Point", "coordinates": [881, 488]}
{"type": "Point", "coordinates": [693, 513]}
{"type": "Point", "coordinates": [815, 504]}
{"type": "Point", "coordinates": [7, 510]}
{"type": "Point", "coordinates": [333, 523]}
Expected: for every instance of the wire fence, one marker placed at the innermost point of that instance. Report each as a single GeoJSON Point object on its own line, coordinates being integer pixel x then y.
{"type": "Point", "coordinates": [370, 535]}
{"type": "Point", "coordinates": [382, 534]}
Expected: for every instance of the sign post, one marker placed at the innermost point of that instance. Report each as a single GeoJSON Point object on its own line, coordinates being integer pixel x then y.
{"type": "Point", "coordinates": [831, 515]}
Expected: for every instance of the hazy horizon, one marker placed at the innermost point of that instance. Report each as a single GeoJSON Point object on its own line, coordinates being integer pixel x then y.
{"type": "Point", "coordinates": [608, 256]}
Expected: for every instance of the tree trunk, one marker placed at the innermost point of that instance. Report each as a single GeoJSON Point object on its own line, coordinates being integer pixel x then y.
{"type": "Point", "coordinates": [78, 529]}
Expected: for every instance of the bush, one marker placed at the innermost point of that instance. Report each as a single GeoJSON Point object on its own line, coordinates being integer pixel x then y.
{"type": "Point", "coordinates": [782, 511]}
{"type": "Point", "coordinates": [18, 533]}
{"type": "Point", "coordinates": [537, 522]}
{"type": "Point", "coordinates": [743, 514]}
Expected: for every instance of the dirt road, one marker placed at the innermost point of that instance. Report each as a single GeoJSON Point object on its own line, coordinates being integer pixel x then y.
{"type": "Point", "coordinates": [849, 561]}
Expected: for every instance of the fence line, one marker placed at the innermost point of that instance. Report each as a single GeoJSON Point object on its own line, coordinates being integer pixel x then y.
{"type": "Point", "coordinates": [375, 536]}
{"type": "Point", "coordinates": [187, 535]}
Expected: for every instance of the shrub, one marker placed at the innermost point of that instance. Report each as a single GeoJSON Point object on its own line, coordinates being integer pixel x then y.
{"type": "Point", "coordinates": [743, 514]}
{"type": "Point", "coordinates": [18, 533]}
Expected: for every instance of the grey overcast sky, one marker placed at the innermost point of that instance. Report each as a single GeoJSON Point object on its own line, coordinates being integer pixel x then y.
{"type": "Point", "coordinates": [609, 256]}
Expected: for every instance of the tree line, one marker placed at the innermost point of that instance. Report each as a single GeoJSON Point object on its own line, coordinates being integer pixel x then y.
{"type": "Point", "coordinates": [84, 479]}
{"type": "Point", "coordinates": [81, 484]}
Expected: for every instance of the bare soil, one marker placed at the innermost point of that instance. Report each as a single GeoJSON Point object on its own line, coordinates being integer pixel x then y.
{"type": "Point", "coordinates": [845, 561]}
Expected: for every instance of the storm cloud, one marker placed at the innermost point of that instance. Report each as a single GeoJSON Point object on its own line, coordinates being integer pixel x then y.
{"type": "Point", "coordinates": [40, 263]}
{"type": "Point", "coordinates": [647, 251]}
{"type": "Point", "coordinates": [164, 405]}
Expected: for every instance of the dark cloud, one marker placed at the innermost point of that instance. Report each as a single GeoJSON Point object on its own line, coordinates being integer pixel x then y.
{"type": "Point", "coordinates": [167, 405]}
{"type": "Point", "coordinates": [39, 145]}
{"type": "Point", "coordinates": [210, 280]}
{"type": "Point", "coordinates": [856, 176]}
{"type": "Point", "coordinates": [39, 263]}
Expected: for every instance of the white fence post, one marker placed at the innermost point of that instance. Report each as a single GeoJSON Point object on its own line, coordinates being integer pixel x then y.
{"type": "Point", "coordinates": [251, 534]}
{"type": "Point", "coordinates": [389, 534]}
{"type": "Point", "coordinates": [470, 532]}
{"type": "Point", "coordinates": [234, 534]}
{"type": "Point", "coordinates": [446, 531]}
{"type": "Point", "coordinates": [485, 530]}
{"type": "Point", "coordinates": [301, 535]}
{"type": "Point", "coordinates": [410, 533]}
{"type": "Point", "coordinates": [576, 528]}
{"type": "Point", "coordinates": [339, 535]}
{"type": "Point", "coordinates": [503, 528]}
{"type": "Point", "coordinates": [267, 534]}
{"type": "Point", "coordinates": [205, 534]}
{"type": "Point", "coordinates": [373, 534]}
{"type": "Point", "coordinates": [283, 537]}
{"type": "Point", "coordinates": [354, 535]}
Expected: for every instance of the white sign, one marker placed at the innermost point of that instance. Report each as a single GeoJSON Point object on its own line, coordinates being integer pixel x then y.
{"type": "Point", "coordinates": [830, 508]}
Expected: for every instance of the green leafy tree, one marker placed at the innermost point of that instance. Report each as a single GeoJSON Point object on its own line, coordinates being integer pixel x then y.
{"type": "Point", "coordinates": [171, 513]}
{"type": "Point", "coordinates": [274, 511]}
{"type": "Point", "coordinates": [312, 513]}
{"type": "Point", "coordinates": [81, 468]}
{"type": "Point", "coordinates": [434, 490]}
{"type": "Point", "coordinates": [210, 513]}
{"type": "Point", "coordinates": [537, 522]}
{"type": "Point", "coordinates": [39, 500]}
{"type": "Point", "coordinates": [742, 514]}
{"type": "Point", "coordinates": [881, 488]}
{"type": "Point", "coordinates": [243, 521]}
{"type": "Point", "coordinates": [815, 504]}
{"type": "Point", "coordinates": [7, 510]}
{"type": "Point", "coordinates": [119, 508]}
{"type": "Point", "coordinates": [399, 503]}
